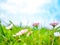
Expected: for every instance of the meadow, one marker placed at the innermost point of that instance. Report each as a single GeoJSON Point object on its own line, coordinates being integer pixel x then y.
{"type": "Point", "coordinates": [32, 35]}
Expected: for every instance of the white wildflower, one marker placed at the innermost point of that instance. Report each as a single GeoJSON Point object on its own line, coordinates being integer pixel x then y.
{"type": "Point", "coordinates": [21, 32]}
{"type": "Point", "coordinates": [57, 34]}
{"type": "Point", "coordinates": [10, 26]}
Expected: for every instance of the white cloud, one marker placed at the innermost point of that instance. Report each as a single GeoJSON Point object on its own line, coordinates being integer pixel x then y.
{"type": "Point", "coordinates": [24, 6]}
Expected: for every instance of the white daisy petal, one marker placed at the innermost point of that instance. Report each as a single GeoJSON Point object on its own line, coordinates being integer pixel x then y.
{"type": "Point", "coordinates": [21, 32]}
{"type": "Point", "coordinates": [57, 34]}
{"type": "Point", "coordinates": [10, 26]}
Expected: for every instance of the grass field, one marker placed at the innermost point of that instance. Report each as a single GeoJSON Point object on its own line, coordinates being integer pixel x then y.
{"type": "Point", "coordinates": [41, 36]}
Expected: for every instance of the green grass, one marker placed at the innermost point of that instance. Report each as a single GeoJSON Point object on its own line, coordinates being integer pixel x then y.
{"type": "Point", "coordinates": [42, 36]}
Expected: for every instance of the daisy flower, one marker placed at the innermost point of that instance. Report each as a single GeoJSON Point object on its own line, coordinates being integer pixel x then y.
{"type": "Point", "coordinates": [21, 32]}
{"type": "Point", "coordinates": [54, 24]}
{"type": "Point", "coordinates": [35, 24]}
{"type": "Point", "coordinates": [57, 34]}
{"type": "Point", "coordinates": [9, 27]}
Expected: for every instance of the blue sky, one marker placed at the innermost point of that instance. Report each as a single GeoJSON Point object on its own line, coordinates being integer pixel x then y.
{"type": "Point", "coordinates": [29, 11]}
